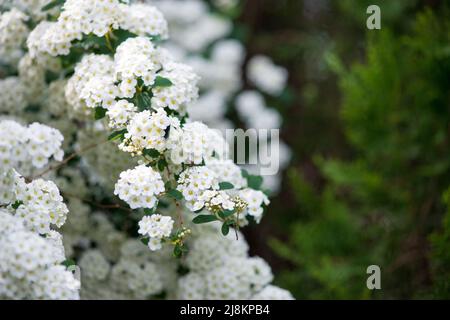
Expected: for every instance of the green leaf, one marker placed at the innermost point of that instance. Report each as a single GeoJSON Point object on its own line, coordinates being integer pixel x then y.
{"type": "Point", "coordinates": [253, 182]}
{"type": "Point", "coordinates": [204, 218]}
{"type": "Point", "coordinates": [151, 153]}
{"type": "Point", "coordinates": [162, 82]}
{"type": "Point", "coordinates": [226, 186]}
{"type": "Point", "coordinates": [117, 135]}
{"type": "Point", "coordinates": [143, 101]}
{"type": "Point", "coordinates": [145, 241]}
{"type": "Point", "coordinates": [226, 213]}
{"type": "Point", "coordinates": [67, 263]}
{"type": "Point", "coordinates": [162, 164]}
{"type": "Point", "coordinates": [149, 212]}
{"type": "Point", "coordinates": [52, 4]}
{"type": "Point", "coordinates": [157, 38]}
{"type": "Point", "coordinates": [177, 251]}
{"type": "Point", "coordinates": [99, 113]}
{"type": "Point", "coordinates": [225, 228]}
{"type": "Point", "coordinates": [17, 204]}
{"type": "Point", "coordinates": [174, 193]}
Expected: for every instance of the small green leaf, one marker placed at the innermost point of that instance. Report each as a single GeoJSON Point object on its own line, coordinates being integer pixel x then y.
{"type": "Point", "coordinates": [52, 4]}
{"type": "Point", "coordinates": [225, 228]}
{"type": "Point", "coordinates": [157, 38]}
{"type": "Point", "coordinates": [67, 263]}
{"type": "Point", "coordinates": [162, 82]}
{"type": "Point", "coordinates": [117, 135]}
{"type": "Point", "coordinates": [145, 241]}
{"type": "Point", "coordinates": [99, 113]}
{"type": "Point", "coordinates": [143, 101]}
{"type": "Point", "coordinates": [174, 193]}
{"type": "Point", "coordinates": [162, 164]}
{"type": "Point", "coordinates": [149, 212]}
{"type": "Point", "coordinates": [151, 153]}
{"type": "Point", "coordinates": [204, 218]}
{"type": "Point", "coordinates": [226, 213]}
{"type": "Point", "coordinates": [226, 186]}
{"type": "Point", "coordinates": [177, 251]}
{"type": "Point", "coordinates": [253, 182]}
{"type": "Point", "coordinates": [17, 204]}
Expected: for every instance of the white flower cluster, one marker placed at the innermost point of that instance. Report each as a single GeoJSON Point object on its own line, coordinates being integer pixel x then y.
{"type": "Point", "coordinates": [23, 147]}
{"type": "Point", "coordinates": [255, 200]}
{"type": "Point", "coordinates": [183, 89]}
{"type": "Point", "coordinates": [32, 76]}
{"type": "Point", "coordinates": [221, 269]}
{"type": "Point", "coordinates": [218, 268]}
{"type": "Point", "coordinates": [143, 19]}
{"type": "Point", "coordinates": [271, 292]}
{"type": "Point", "coordinates": [32, 8]}
{"type": "Point", "coordinates": [147, 130]}
{"type": "Point", "coordinates": [13, 95]}
{"type": "Point", "coordinates": [136, 58]}
{"type": "Point", "coordinates": [139, 187]}
{"type": "Point", "coordinates": [253, 110]}
{"type": "Point", "coordinates": [193, 182]}
{"type": "Point", "coordinates": [84, 17]}
{"type": "Point", "coordinates": [222, 71]}
{"type": "Point", "coordinates": [101, 81]}
{"type": "Point", "coordinates": [198, 35]}
{"type": "Point", "coordinates": [193, 144]}
{"type": "Point", "coordinates": [41, 205]}
{"type": "Point", "coordinates": [120, 114]}
{"type": "Point", "coordinates": [13, 33]}
{"type": "Point", "coordinates": [29, 267]}
{"type": "Point", "coordinates": [157, 228]}
{"type": "Point", "coordinates": [90, 67]}
{"type": "Point", "coordinates": [219, 61]}
{"type": "Point", "coordinates": [227, 171]}
{"type": "Point", "coordinates": [267, 76]}
{"type": "Point", "coordinates": [55, 100]}
{"type": "Point", "coordinates": [30, 252]}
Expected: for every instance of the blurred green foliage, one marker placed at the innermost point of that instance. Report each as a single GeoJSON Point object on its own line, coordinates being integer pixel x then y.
{"type": "Point", "coordinates": [381, 201]}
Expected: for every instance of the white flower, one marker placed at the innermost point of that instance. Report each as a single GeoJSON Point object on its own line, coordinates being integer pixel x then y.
{"type": "Point", "coordinates": [139, 187]}
{"type": "Point", "coordinates": [182, 91]}
{"type": "Point", "coordinates": [29, 263]}
{"type": "Point", "coordinates": [194, 143]}
{"type": "Point", "coordinates": [135, 58]}
{"type": "Point", "coordinates": [13, 95]}
{"type": "Point", "coordinates": [255, 200]}
{"type": "Point", "coordinates": [271, 292]}
{"type": "Point", "coordinates": [13, 33]}
{"type": "Point", "coordinates": [26, 147]}
{"type": "Point", "coordinates": [157, 228]}
{"type": "Point", "coordinates": [193, 182]}
{"type": "Point", "coordinates": [227, 171]}
{"type": "Point", "coordinates": [143, 19]}
{"type": "Point", "coordinates": [120, 114]}
{"type": "Point", "coordinates": [41, 205]}
{"type": "Point", "coordinates": [90, 74]}
{"type": "Point", "coordinates": [268, 77]}
{"type": "Point", "coordinates": [146, 130]}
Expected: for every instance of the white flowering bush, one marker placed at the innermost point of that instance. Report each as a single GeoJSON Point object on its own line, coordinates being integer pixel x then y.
{"type": "Point", "coordinates": [203, 37]}
{"type": "Point", "coordinates": [143, 183]}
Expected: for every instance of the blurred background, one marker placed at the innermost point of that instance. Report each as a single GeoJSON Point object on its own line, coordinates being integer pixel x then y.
{"type": "Point", "coordinates": [366, 115]}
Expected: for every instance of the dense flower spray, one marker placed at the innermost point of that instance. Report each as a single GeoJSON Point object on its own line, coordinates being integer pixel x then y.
{"type": "Point", "coordinates": [104, 60]}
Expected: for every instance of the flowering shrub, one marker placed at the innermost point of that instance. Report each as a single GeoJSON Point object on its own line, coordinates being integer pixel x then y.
{"type": "Point", "coordinates": [96, 72]}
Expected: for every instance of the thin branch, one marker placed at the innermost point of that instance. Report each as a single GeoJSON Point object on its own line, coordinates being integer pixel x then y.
{"type": "Point", "coordinates": [66, 160]}
{"type": "Point", "coordinates": [96, 204]}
